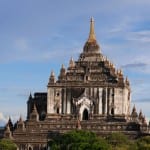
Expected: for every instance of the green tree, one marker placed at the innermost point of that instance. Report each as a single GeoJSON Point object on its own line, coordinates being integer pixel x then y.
{"type": "Point", "coordinates": [6, 144]}
{"type": "Point", "coordinates": [79, 140]}
{"type": "Point", "coordinates": [119, 141]}
{"type": "Point", "coordinates": [144, 143]}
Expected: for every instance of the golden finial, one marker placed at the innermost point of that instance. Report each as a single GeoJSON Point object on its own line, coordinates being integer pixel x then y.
{"type": "Point", "coordinates": [92, 36]}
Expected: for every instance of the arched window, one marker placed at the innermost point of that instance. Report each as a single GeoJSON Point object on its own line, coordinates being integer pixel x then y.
{"type": "Point", "coordinates": [85, 115]}
{"type": "Point", "coordinates": [112, 111]}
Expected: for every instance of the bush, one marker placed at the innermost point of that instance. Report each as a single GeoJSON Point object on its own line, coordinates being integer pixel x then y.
{"type": "Point", "coordinates": [6, 144]}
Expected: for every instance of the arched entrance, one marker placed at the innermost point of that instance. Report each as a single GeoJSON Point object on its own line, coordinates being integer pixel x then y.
{"type": "Point", "coordinates": [30, 148]}
{"type": "Point", "coordinates": [84, 106]}
{"type": "Point", "coordinates": [85, 115]}
{"type": "Point", "coordinates": [57, 110]}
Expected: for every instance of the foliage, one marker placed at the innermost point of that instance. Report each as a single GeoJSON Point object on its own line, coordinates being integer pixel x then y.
{"type": "Point", "coordinates": [85, 140]}
{"type": "Point", "coordinates": [144, 143]}
{"type": "Point", "coordinates": [79, 140]}
{"type": "Point", "coordinates": [6, 144]}
{"type": "Point", "coordinates": [120, 141]}
{"type": "Point", "coordinates": [117, 139]}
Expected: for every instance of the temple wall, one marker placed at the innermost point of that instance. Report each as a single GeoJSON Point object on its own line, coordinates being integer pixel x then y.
{"type": "Point", "coordinates": [68, 111]}
{"type": "Point", "coordinates": [54, 100]}
{"type": "Point", "coordinates": [121, 101]}
{"type": "Point", "coordinates": [126, 101]}
{"type": "Point", "coordinates": [64, 101]}
{"type": "Point", "coordinates": [100, 100]}
{"type": "Point", "coordinates": [50, 101]}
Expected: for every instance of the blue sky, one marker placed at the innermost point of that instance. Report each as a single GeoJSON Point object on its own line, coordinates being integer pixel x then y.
{"type": "Point", "coordinates": [38, 36]}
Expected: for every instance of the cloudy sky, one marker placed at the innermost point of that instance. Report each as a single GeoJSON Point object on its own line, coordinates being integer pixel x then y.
{"type": "Point", "coordinates": [38, 36]}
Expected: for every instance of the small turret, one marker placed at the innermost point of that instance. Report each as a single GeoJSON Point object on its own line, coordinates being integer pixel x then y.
{"type": "Point", "coordinates": [106, 61]}
{"type": "Point", "coordinates": [10, 124]}
{"type": "Point", "coordinates": [120, 72]}
{"type": "Point", "coordinates": [62, 75]}
{"type": "Point", "coordinates": [144, 121]}
{"type": "Point", "coordinates": [20, 124]}
{"type": "Point", "coordinates": [140, 117]}
{"type": "Point", "coordinates": [127, 81]}
{"type": "Point", "coordinates": [63, 70]}
{"type": "Point", "coordinates": [134, 114]}
{"type": "Point", "coordinates": [7, 132]}
{"type": "Point", "coordinates": [52, 78]}
{"type": "Point", "coordinates": [71, 63]}
{"type": "Point", "coordinates": [120, 77]}
{"type": "Point", "coordinates": [34, 116]}
{"type": "Point", "coordinates": [20, 120]}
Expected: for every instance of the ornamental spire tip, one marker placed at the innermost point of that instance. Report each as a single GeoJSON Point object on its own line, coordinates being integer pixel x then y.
{"type": "Point", "coordinates": [92, 36]}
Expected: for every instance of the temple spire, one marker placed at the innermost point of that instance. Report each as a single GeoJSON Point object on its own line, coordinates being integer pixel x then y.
{"type": "Point", "coordinates": [91, 46]}
{"type": "Point", "coordinates": [92, 36]}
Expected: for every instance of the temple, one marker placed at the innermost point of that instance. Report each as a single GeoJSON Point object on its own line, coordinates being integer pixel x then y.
{"type": "Point", "coordinates": [89, 94]}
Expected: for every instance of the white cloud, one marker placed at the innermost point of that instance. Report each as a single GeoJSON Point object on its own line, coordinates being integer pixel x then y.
{"type": "Point", "coordinates": [140, 36]}
{"type": "Point", "coordinates": [3, 119]}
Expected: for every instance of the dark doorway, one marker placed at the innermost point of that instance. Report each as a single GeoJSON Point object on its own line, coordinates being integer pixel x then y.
{"type": "Point", "coordinates": [30, 148]}
{"type": "Point", "coordinates": [112, 111]}
{"type": "Point", "coordinates": [85, 115]}
{"type": "Point", "coordinates": [57, 110]}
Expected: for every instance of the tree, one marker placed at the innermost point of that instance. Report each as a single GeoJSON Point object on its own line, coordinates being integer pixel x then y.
{"type": "Point", "coordinates": [6, 144]}
{"type": "Point", "coordinates": [120, 141]}
{"type": "Point", "coordinates": [144, 143]}
{"type": "Point", "coordinates": [79, 140]}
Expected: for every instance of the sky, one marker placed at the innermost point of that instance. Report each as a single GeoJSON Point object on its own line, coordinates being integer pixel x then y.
{"type": "Point", "coordinates": [37, 37]}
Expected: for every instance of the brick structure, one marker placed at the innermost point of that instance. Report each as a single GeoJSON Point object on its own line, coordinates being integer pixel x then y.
{"type": "Point", "coordinates": [90, 94]}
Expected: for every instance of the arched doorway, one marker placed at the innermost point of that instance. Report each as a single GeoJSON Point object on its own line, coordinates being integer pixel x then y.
{"type": "Point", "coordinates": [57, 110]}
{"type": "Point", "coordinates": [30, 148]}
{"type": "Point", "coordinates": [85, 115]}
